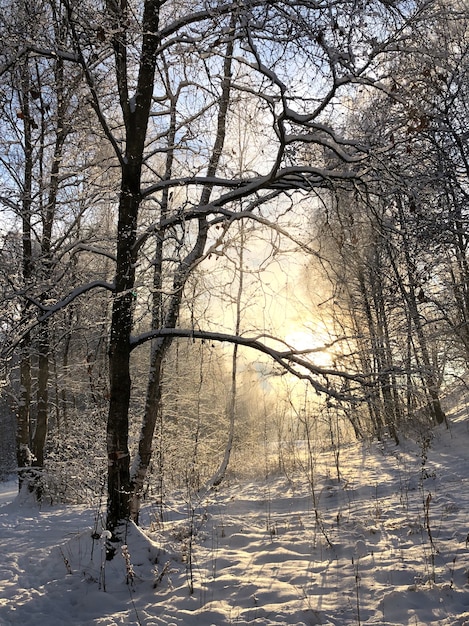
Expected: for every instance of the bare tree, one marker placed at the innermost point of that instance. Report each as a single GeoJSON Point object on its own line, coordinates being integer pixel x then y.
{"type": "Point", "coordinates": [162, 78]}
{"type": "Point", "coordinates": [240, 28]}
{"type": "Point", "coordinates": [44, 126]}
{"type": "Point", "coordinates": [418, 204]}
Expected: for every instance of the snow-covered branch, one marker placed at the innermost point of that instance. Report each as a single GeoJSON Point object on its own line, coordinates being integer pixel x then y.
{"type": "Point", "coordinates": [47, 311]}
{"type": "Point", "coordinates": [291, 360]}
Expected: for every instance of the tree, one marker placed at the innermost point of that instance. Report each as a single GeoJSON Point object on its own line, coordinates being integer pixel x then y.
{"type": "Point", "coordinates": [407, 269]}
{"type": "Point", "coordinates": [45, 127]}
{"type": "Point", "coordinates": [163, 78]}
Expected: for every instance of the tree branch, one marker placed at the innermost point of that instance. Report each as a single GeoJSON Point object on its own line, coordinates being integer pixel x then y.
{"type": "Point", "coordinates": [288, 359]}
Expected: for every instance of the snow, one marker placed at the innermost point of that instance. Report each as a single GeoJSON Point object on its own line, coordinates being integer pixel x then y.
{"type": "Point", "coordinates": [370, 548]}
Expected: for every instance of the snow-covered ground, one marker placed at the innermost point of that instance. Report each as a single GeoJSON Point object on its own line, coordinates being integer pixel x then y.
{"type": "Point", "coordinates": [386, 544]}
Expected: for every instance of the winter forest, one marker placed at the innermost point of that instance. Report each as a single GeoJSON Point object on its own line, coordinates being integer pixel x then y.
{"type": "Point", "coordinates": [233, 249]}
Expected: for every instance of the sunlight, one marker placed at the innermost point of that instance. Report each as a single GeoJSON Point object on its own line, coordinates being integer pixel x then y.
{"type": "Point", "coordinates": [310, 340]}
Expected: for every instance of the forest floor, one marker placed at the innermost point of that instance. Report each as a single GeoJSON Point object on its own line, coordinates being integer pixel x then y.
{"type": "Point", "coordinates": [385, 542]}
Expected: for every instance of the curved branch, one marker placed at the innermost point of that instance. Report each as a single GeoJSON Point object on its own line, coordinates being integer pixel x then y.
{"type": "Point", "coordinates": [287, 179]}
{"type": "Point", "coordinates": [73, 295]}
{"type": "Point", "coordinates": [48, 311]}
{"type": "Point", "coordinates": [288, 359]}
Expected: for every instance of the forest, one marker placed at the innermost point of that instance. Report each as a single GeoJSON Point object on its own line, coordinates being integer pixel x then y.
{"type": "Point", "coordinates": [228, 231]}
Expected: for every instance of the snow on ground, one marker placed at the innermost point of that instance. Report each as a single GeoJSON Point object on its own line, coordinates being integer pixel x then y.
{"type": "Point", "coordinates": [386, 544]}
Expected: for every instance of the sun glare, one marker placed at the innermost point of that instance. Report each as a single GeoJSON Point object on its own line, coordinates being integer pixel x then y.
{"type": "Point", "coordinates": [304, 340]}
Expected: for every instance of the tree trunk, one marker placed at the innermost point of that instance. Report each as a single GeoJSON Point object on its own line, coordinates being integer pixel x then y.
{"type": "Point", "coordinates": [410, 298]}
{"type": "Point", "coordinates": [219, 475]}
{"type": "Point", "coordinates": [145, 445]}
{"type": "Point", "coordinates": [119, 363]}
{"type": "Point", "coordinates": [136, 123]}
{"type": "Point", "coordinates": [40, 431]}
{"type": "Point", "coordinates": [23, 452]}
{"type": "Point", "coordinates": [170, 319]}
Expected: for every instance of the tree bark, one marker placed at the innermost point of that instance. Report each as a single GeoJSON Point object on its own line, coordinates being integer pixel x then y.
{"type": "Point", "coordinates": [136, 122]}
{"type": "Point", "coordinates": [40, 432]}
{"type": "Point", "coordinates": [23, 452]}
{"type": "Point", "coordinates": [119, 360]}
